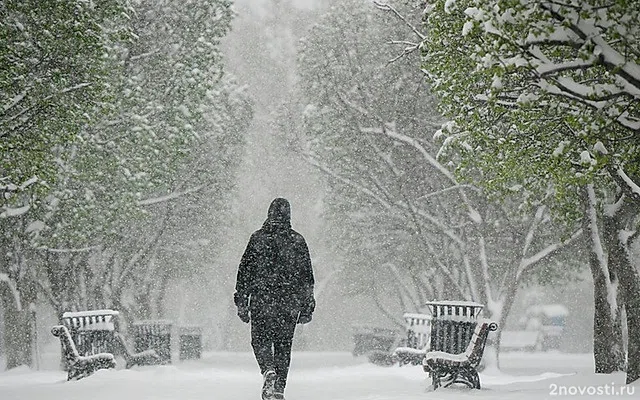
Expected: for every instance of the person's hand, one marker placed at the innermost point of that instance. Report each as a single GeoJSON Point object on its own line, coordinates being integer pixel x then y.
{"type": "Point", "coordinates": [304, 318]}
{"type": "Point", "coordinates": [243, 314]}
{"type": "Point", "coordinates": [242, 302]}
{"type": "Point", "coordinates": [306, 314]}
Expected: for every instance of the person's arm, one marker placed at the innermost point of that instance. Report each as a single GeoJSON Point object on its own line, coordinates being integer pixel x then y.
{"type": "Point", "coordinates": [244, 280]}
{"type": "Point", "coordinates": [308, 302]}
{"type": "Point", "coordinates": [307, 270]}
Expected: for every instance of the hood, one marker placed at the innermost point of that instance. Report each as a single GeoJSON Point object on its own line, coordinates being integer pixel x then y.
{"type": "Point", "coordinates": [279, 214]}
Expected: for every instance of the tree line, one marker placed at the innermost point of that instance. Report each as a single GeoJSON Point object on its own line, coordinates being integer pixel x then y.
{"type": "Point", "coordinates": [475, 147]}
{"type": "Point", "coordinates": [120, 136]}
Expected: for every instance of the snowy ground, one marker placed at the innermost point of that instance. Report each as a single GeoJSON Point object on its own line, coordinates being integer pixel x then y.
{"type": "Point", "coordinates": [336, 376]}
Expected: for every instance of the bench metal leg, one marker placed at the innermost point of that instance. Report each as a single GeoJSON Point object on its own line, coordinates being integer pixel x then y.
{"type": "Point", "coordinates": [446, 377]}
{"type": "Point", "coordinates": [442, 378]}
{"type": "Point", "coordinates": [82, 367]}
{"type": "Point", "coordinates": [435, 380]}
{"type": "Point", "coordinates": [468, 376]}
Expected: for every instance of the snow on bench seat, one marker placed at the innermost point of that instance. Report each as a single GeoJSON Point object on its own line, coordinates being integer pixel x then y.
{"type": "Point", "coordinates": [459, 368]}
{"type": "Point", "coordinates": [447, 357]}
{"type": "Point", "coordinates": [418, 332]}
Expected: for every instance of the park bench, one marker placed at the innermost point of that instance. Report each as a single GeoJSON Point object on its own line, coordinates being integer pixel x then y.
{"type": "Point", "coordinates": [418, 333]}
{"type": "Point", "coordinates": [153, 334]}
{"type": "Point", "coordinates": [448, 327]}
{"type": "Point", "coordinates": [79, 366]}
{"type": "Point", "coordinates": [368, 339]}
{"type": "Point", "coordinates": [146, 357]}
{"type": "Point", "coordinates": [449, 368]}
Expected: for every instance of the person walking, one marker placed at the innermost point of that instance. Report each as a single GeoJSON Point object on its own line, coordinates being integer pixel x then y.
{"type": "Point", "coordinates": [274, 291]}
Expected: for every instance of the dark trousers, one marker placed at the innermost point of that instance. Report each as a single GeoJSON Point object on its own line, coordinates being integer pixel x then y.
{"type": "Point", "coordinates": [271, 339]}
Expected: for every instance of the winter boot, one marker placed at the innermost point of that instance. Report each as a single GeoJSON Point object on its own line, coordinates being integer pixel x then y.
{"type": "Point", "coordinates": [269, 379]}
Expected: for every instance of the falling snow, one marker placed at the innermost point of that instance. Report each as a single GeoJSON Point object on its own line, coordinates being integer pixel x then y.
{"type": "Point", "coordinates": [143, 143]}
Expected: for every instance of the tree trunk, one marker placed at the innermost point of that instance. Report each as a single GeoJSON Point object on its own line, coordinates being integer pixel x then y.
{"type": "Point", "coordinates": [159, 307]}
{"type": "Point", "coordinates": [18, 323]}
{"type": "Point", "coordinates": [499, 311]}
{"type": "Point", "coordinates": [615, 226]}
{"type": "Point", "coordinates": [142, 303]}
{"type": "Point", "coordinates": [491, 355]}
{"type": "Point", "coordinates": [608, 351]}
{"type": "Point", "coordinates": [630, 290]}
{"type": "Point", "coordinates": [59, 273]}
{"type": "Point", "coordinates": [630, 284]}
{"type": "Point", "coordinates": [504, 313]}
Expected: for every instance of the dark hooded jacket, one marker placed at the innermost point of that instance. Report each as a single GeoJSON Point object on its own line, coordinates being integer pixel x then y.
{"type": "Point", "coordinates": [275, 273]}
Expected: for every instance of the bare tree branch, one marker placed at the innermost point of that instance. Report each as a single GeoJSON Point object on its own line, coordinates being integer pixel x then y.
{"type": "Point", "coordinates": [387, 7]}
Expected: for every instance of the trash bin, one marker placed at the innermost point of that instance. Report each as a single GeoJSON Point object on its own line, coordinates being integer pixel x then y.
{"type": "Point", "coordinates": [153, 334]}
{"type": "Point", "coordinates": [452, 325]}
{"type": "Point", "coordinates": [190, 342]}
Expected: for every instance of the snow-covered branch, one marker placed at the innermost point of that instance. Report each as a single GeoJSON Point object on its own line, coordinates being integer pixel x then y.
{"type": "Point", "coordinates": [387, 7]}
{"type": "Point", "coordinates": [14, 212]}
{"type": "Point", "coordinates": [168, 197]}
{"type": "Point", "coordinates": [323, 168]}
{"type": "Point", "coordinates": [404, 289]}
{"type": "Point", "coordinates": [144, 250]}
{"type": "Point", "coordinates": [45, 102]}
{"type": "Point", "coordinates": [409, 48]}
{"type": "Point", "coordinates": [550, 68]}
{"type": "Point", "coordinates": [446, 270]}
{"type": "Point", "coordinates": [78, 250]}
{"type": "Point", "coordinates": [529, 262]}
{"type": "Point", "coordinates": [484, 264]}
{"type": "Point", "coordinates": [17, 99]}
{"type": "Point", "coordinates": [393, 134]}
{"type": "Point", "coordinates": [628, 184]}
{"type": "Point", "coordinates": [449, 189]}
{"type": "Point", "coordinates": [144, 55]}
{"type": "Point", "coordinates": [405, 208]}
{"type": "Point", "coordinates": [13, 287]}
{"type": "Point", "coordinates": [532, 230]}
{"type": "Point", "coordinates": [595, 96]}
{"type": "Point", "coordinates": [615, 62]}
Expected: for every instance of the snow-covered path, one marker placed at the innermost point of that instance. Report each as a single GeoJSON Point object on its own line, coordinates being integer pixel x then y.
{"type": "Point", "coordinates": [314, 376]}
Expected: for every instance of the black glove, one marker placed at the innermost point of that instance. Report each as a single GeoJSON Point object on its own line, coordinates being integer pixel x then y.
{"type": "Point", "coordinates": [304, 318]}
{"type": "Point", "coordinates": [306, 313]}
{"type": "Point", "coordinates": [243, 313]}
{"type": "Point", "coordinates": [242, 302]}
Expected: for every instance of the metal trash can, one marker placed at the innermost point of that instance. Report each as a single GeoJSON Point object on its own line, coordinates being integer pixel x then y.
{"type": "Point", "coordinates": [153, 334]}
{"type": "Point", "coordinates": [190, 338]}
{"type": "Point", "coordinates": [452, 324]}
